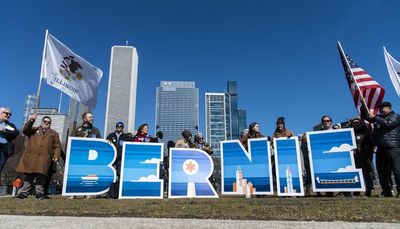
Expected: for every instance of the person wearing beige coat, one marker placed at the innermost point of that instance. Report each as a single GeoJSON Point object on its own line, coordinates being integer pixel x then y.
{"type": "Point", "coordinates": [43, 147]}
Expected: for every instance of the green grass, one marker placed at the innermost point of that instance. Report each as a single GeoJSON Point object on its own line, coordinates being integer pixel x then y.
{"type": "Point", "coordinates": [270, 208]}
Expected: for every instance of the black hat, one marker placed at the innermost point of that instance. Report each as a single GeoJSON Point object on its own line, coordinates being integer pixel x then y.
{"type": "Point", "coordinates": [385, 104]}
{"type": "Point", "coordinates": [280, 120]}
{"type": "Point", "coordinates": [186, 133]}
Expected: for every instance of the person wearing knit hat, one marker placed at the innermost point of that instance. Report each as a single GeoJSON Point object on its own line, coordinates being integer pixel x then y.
{"type": "Point", "coordinates": [281, 130]}
{"type": "Point", "coordinates": [117, 138]}
{"type": "Point", "coordinates": [186, 141]}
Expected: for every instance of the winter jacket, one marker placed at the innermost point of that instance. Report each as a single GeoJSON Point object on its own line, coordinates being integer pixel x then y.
{"type": "Point", "coordinates": [41, 149]}
{"type": "Point", "coordinates": [387, 130]}
{"type": "Point", "coordinates": [118, 142]}
{"type": "Point", "coordinates": [11, 132]}
{"type": "Point", "coordinates": [80, 131]}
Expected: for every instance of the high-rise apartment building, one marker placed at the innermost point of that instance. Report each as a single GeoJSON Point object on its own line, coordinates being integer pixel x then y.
{"type": "Point", "coordinates": [215, 120]}
{"type": "Point", "coordinates": [121, 97]}
{"type": "Point", "coordinates": [177, 108]}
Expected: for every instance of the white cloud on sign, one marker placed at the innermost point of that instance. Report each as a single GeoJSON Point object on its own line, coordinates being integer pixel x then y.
{"type": "Point", "coordinates": [151, 161]}
{"type": "Point", "coordinates": [343, 148]}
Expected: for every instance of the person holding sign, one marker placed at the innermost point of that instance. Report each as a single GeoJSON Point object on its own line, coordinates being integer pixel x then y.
{"type": "Point", "coordinates": [281, 130]}
{"type": "Point", "coordinates": [186, 141]}
{"type": "Point", "coordinates": [363, 154]}
{"type": "Point", "coordinates": [254, 132]}
{"type": "Point", "coordinates": [142, 134]}
{"type": "Point", "coordinates": [43, 146]}
{"type": "Point", "coordinates": [86, 130]}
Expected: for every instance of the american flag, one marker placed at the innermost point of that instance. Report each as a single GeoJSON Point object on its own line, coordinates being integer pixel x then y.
{"type": "Point", "coordinates": [360, 82]}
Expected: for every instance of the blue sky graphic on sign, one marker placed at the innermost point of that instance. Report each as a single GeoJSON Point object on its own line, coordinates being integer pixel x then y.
{"type": "Point", "coordinates": [332, 161]}
{"type": "Point", "coordinates": [245, 172]}
{"type": "Point", "coordinates": [140, 171]}
{"type": "Point", "coordinates": [289, 179]}
{"type": "Point", "coordinates": [190, 170]}
{"type": "Point", "coordinates": [88, 166]}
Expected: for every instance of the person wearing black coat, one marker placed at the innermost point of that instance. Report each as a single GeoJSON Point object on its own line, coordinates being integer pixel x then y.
{"type": "Point", "coordinates": [363, 154]}
{"type": "Point", "coordinates": [386, 137]}
{"type": "Point", "coordinates": [8, 132]}
{"type": "Point", "coordinates": [117, 138]}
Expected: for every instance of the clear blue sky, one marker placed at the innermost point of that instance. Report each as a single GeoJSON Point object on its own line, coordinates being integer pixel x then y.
{"type": "Point", "coordinates": [282, 53]}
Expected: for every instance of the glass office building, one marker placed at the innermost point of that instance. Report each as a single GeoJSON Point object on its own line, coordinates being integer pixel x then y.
{"type": "Point", "coordinates": [215, 119]}
{"type": "Point", "coordinates": [177, 108]}
{"type": "Point", "coordinates": [235, 119]}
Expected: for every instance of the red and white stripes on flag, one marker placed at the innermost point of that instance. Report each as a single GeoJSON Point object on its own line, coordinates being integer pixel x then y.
{"type": "Point", "coordinates": [361, 84]}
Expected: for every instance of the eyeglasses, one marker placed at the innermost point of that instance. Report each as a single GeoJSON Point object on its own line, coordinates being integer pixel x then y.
{"type": "Point", "coordinates": [7, 113]}
{"type": "Point", "coordinates": [326, 120]}
{"type": "Point", "coordinates": [46, 121]}
{"type": "Point", "coordinates": [119, 126]}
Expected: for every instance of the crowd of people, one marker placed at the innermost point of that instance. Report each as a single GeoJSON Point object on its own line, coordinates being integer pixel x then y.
{"type": "Point", "coordinates": [43, 149]}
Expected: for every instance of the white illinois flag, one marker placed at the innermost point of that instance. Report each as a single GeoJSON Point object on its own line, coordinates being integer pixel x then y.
{"type": "Point", "coordinates": [394, 70]}
{"type": "Point", "coordinates": [70, 73]}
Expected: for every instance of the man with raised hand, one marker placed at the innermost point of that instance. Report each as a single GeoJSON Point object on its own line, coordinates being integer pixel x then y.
{"type": "Point", "coordinates": [43, 147]}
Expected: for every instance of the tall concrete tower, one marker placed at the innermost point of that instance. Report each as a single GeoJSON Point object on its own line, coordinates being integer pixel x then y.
{"type": "Point", "coordinates": [121, 96]}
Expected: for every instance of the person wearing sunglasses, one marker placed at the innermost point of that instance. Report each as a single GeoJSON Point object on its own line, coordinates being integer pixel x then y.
{"type": "Point", "coordinates": [326, 123]}
{"type": "Point", "coordinates": [8, 132]}
{"type": "Point", "coordinates": [117, 138]}
{"type": "Point", "coordinates": [43, 147]}
{"type": "Point", "coordinates": [200, 144]}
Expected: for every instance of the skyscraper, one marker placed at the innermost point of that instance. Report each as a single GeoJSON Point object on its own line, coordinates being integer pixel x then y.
{"type": "Point", "coordinates": [30, 103]}
{"type": "Point", "coordinates": [215, 120]}
{"type": "Point", "coordinates": [177, 108]}
{"type": "Point", "coordinates": [121, 97]}
{"type": "Point", "coordinates": [235, 119]}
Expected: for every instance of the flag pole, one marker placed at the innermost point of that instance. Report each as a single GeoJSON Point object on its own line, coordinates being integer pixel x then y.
{"type": "Point", "coordinates": [59, 103]}
{"type": "Point", "coordinates": [41, 71]}
{"type": "Point", "coordinates": [352, 76]}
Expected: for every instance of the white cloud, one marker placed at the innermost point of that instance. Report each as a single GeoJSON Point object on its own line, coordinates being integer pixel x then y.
{"type": "Point", "coordinates": [343, 148]}
{"type": "Point", "coordinates": [151, 161]}
{"type": "Point", "coordinates": [348, 168]}
{"type": "Point", "coordinates": [149, 178]}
